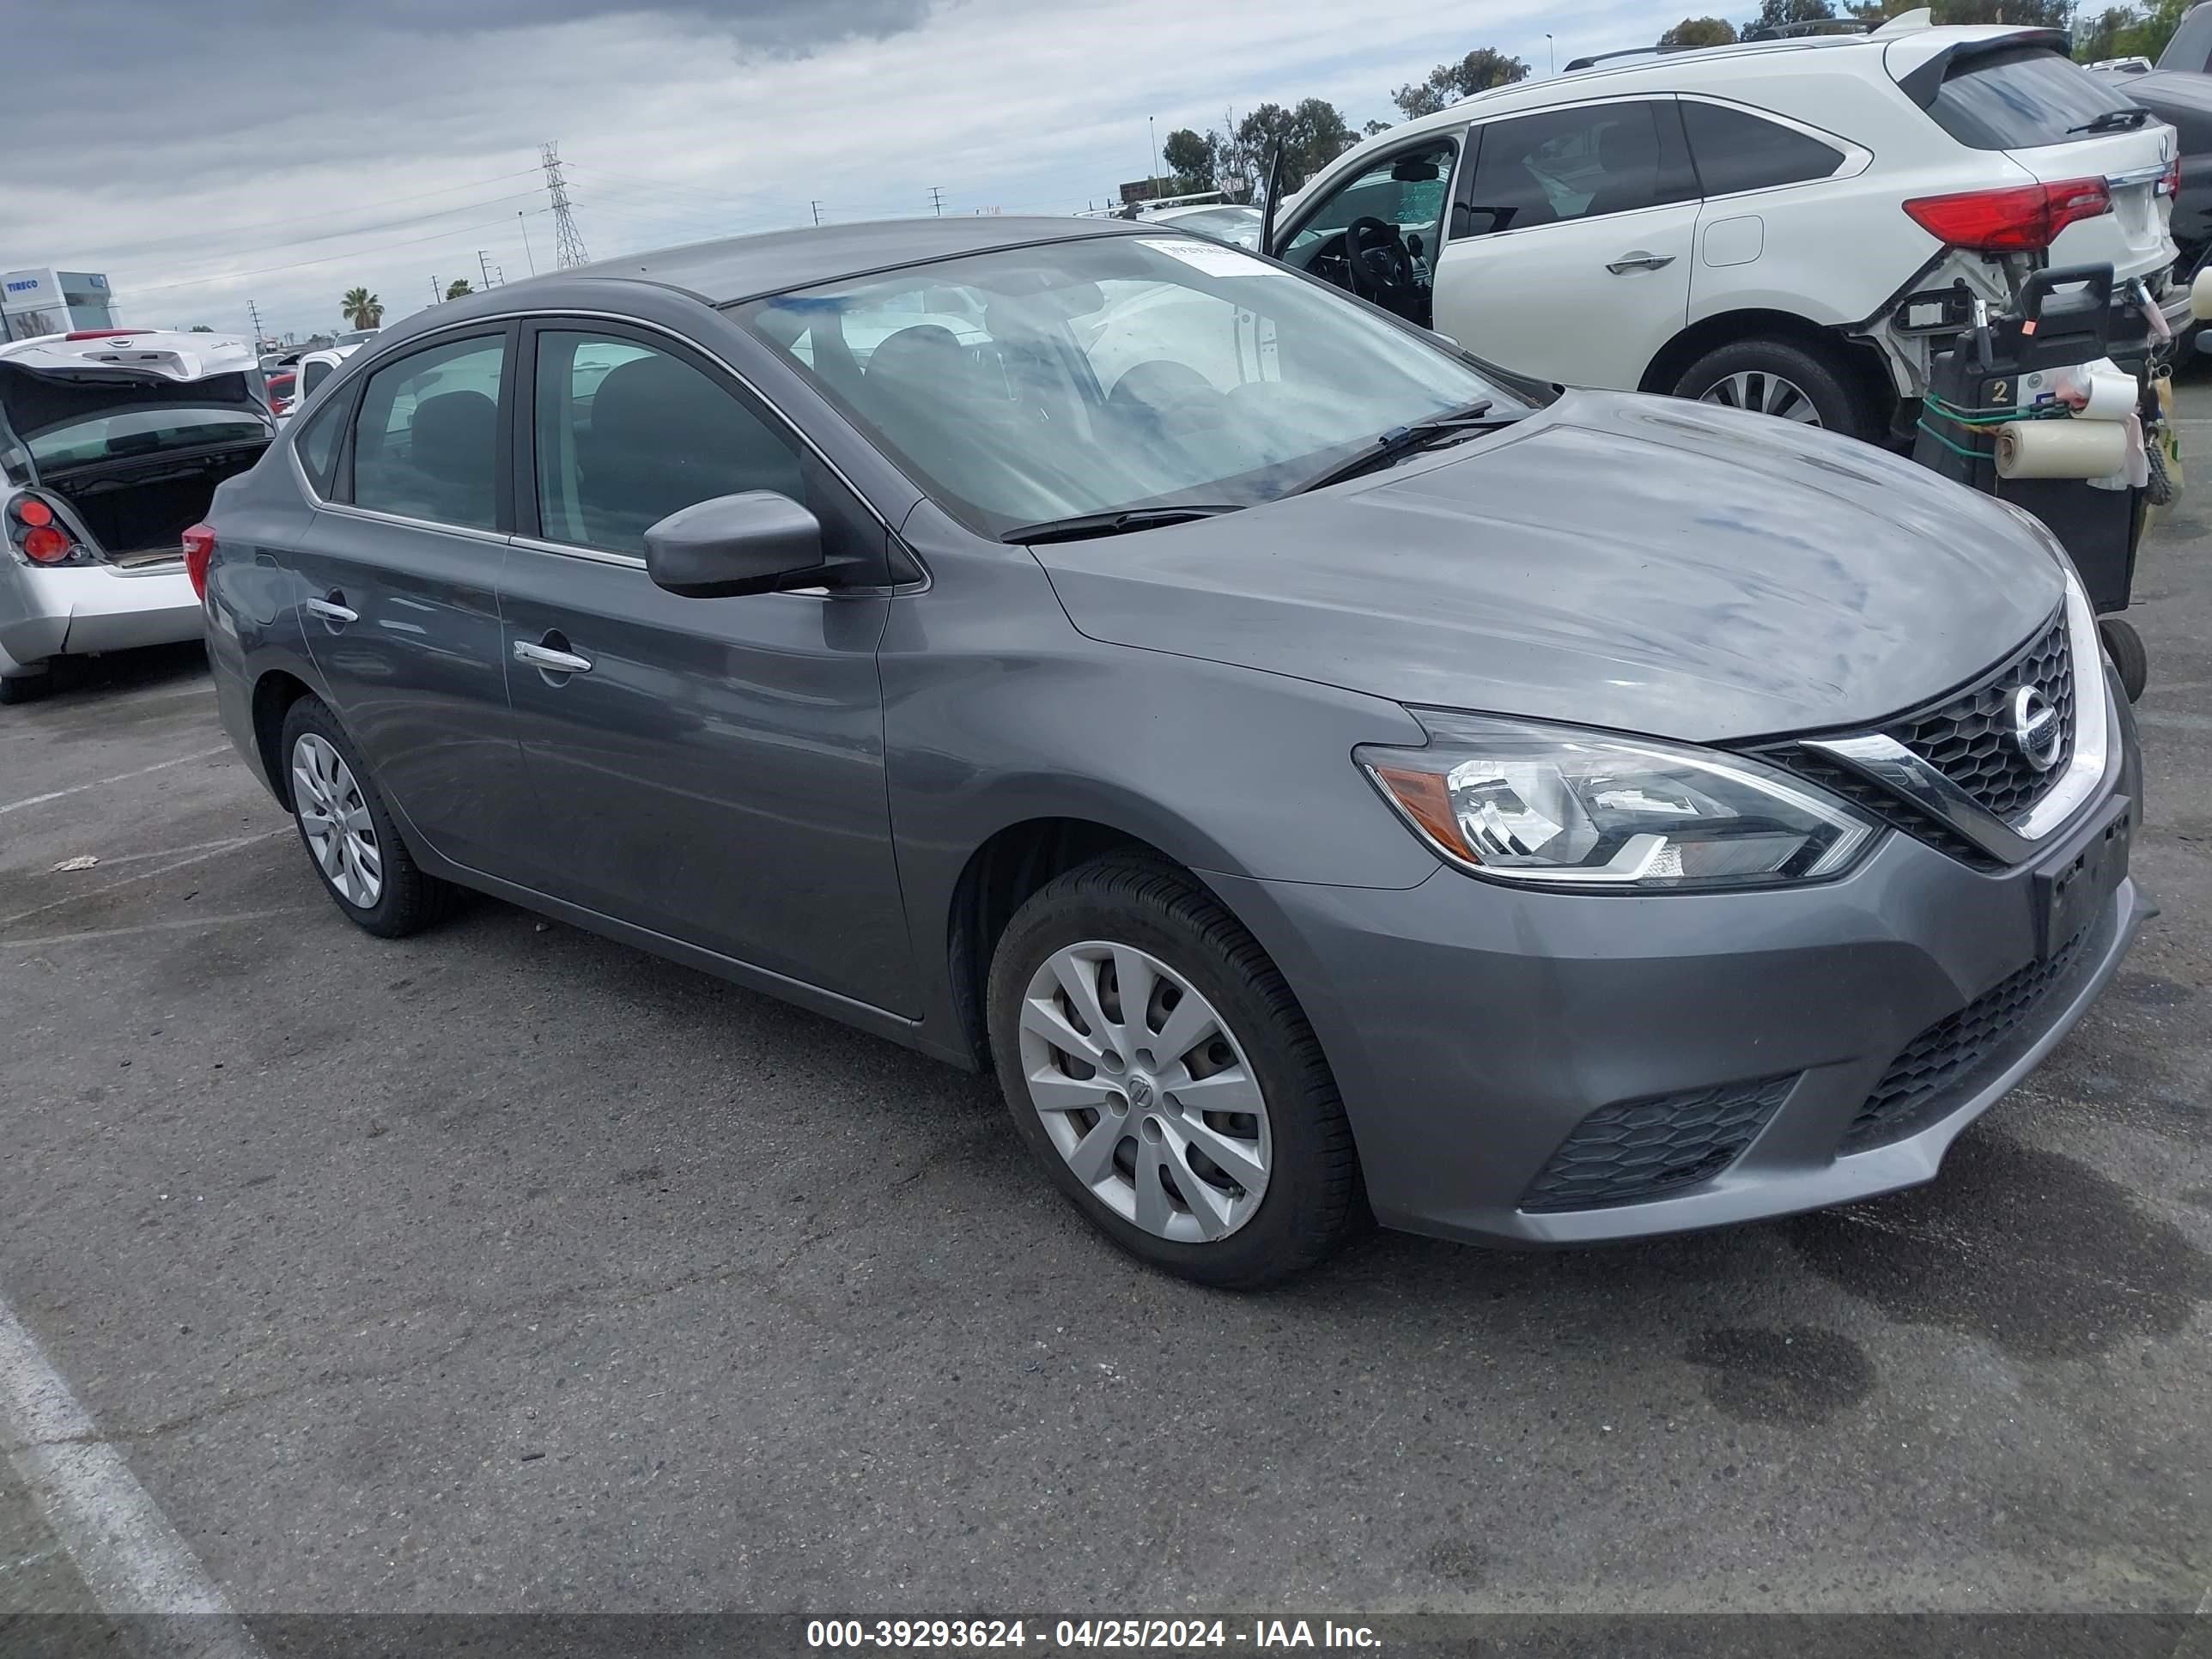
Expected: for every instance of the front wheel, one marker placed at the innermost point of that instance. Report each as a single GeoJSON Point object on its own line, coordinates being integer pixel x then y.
{"type": "Point", "coordinates": [1779, 378]}
{"type": "Point", "coordinates": [1158, 1067]}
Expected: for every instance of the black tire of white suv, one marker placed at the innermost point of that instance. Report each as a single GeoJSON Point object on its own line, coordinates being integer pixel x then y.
{"type": "Point", "coordinates": [1781, 377]}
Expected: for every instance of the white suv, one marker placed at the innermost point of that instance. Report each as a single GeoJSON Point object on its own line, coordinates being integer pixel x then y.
{"type": "Point", "coordinates": [1795, 226]}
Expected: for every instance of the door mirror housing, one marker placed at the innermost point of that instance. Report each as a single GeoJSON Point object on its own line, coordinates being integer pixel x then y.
{"type": "Point", "coordinates": [757, 542]}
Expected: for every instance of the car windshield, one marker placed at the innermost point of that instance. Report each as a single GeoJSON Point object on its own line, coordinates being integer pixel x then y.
{"type": "Point", "coordinates": [144, 432]}
{"type": "Point", "coordinates": [1031, 385]}
{"type": "Point", "coordinates": [1240, 225]}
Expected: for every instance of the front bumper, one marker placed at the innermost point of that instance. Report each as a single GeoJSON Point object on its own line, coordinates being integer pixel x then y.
{"type": "Point", "coordinates": [70, 609]}
{"type": "Point", "coordinates": [1474, 1027]}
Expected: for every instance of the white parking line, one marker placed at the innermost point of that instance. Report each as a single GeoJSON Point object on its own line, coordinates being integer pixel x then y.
{"type": "Point", "coordinates": [184, 857]}
{"type": "Point", "coordinates": [182, 923]}
{"type": "Point", "coordinates": [120, 777]}
{"type": "Point", "coordinates": [130, 1557]}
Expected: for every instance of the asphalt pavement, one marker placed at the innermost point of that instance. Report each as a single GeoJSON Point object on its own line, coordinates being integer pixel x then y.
{"type": "Point", "coordinates": [505, 1267]}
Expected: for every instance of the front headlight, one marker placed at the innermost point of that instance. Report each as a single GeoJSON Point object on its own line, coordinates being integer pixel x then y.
{"type": "Point", "coordinates": [1552, 806]}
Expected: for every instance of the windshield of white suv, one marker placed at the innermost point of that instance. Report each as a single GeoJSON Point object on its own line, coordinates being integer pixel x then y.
{"type": "Point", "coordinates": [1114, 372]}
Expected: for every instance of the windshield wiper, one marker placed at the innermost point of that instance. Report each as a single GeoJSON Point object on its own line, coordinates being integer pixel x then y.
{"type": "Point", "coordinates": [1119, 522]}
{"type": "Point", "coordinates": [1404, 440]}
{"type": "Point", "coordinates": [2113, 120]}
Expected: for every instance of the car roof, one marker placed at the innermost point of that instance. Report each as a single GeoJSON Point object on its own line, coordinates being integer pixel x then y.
{"type": "Point", "coordinates": [747, 267]}
{"type": "Point", "coordinates": [1664, 72]}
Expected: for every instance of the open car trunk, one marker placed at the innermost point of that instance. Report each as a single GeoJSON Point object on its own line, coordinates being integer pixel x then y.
{"type": "Point", "coordinates": [135, 454]}
{"type": "Point", "coordinates": [138, 511]}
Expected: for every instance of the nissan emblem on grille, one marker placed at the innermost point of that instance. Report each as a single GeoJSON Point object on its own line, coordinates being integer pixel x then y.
{"type": "Point", "coordinates": [2037, 731]}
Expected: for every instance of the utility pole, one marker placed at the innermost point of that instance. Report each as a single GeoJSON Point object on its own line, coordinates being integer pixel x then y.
{"type": "Point", "coordinates": [483, 269]}
{"type": "Point", "coordinates": [437, 294]}
{"type": "Point", "coordinates": [254, 311]}
{"type": "Point", "coordinates": [567, 241]}
{"type": "Point", "coordinates": [816, 206]}
{"type": "Point", "coordinates": [1151, 127]}
{"type": "Point", "coordinates": [937, 200]}
{"type": "Point", "coordinates": [526, 254]}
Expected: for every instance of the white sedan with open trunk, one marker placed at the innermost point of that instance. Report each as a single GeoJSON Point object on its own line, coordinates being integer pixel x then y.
{"type": "Point", "coordinates": [112, 443]}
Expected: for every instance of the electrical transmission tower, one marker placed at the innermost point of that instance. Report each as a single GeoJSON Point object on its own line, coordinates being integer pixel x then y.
{"type": "Point", "coordinates": [567, 241]}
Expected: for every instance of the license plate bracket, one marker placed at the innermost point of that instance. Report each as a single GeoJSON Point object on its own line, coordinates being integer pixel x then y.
{"type": "Point", "coordinates": [2078, 880]}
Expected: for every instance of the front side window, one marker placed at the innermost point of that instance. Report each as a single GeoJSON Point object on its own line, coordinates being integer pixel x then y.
{"type": "Point", "coordinates": [311, 375]}
{"type": "Point", "coordinates": [1389, 217]}
{"type": "Point", "coordinates": [627, 433]}
{"type": "Point", "coordinates": [426, 443]}
{"type": "Point", "coordinates": [1737, 150]}
{"type": "Point", "coordinates": [1111, 372]}
{"type": "Point", "coordinates": [1573, 164]}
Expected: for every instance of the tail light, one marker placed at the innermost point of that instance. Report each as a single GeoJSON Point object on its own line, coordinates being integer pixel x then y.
{"type": "Point", "coordinates": [199, 547]}
{"type": "Point", "coordinates": [2170, 184]}
{"type": "Point", "coordinates": [2024, 219]}
{"type": "Point", "coordinates": [36, 534]}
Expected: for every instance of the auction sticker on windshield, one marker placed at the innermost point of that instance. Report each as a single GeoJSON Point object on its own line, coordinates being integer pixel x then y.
{"type": "Point", "coordinates": [1214, 259]}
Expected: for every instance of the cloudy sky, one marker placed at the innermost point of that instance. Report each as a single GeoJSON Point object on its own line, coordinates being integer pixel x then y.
{"type": "Point", "coordinates": [214, 151]}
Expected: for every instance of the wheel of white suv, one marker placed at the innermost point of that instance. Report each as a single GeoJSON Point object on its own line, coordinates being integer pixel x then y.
{"type": "Point", "coordinates": [348, 830]}
{"type": "Point", "coordinates": [1158, 1067]}
{"type": "Point", "coordinates": [1778, 378]}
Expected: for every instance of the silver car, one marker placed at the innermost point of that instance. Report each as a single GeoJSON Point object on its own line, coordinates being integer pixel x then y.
{"type": "Point", "coordinates": [1323, 776]}
{"type": "Point", "coordinates": [112, 444]}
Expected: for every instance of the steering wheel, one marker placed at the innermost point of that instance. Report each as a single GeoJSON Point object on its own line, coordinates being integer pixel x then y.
{"type": "Point", "coordinates": [1377, 262]}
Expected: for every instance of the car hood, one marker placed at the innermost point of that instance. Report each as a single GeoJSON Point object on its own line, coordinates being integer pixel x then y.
{"type": "Point", "coordinates": [1637, 563]}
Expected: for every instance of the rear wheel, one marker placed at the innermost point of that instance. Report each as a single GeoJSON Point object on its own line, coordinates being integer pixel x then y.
{"type": "Point", "coordinates": [1780, 377]}
{"type": "Point", "coordinates": [348, 830]}
{"type": "Point", "coordinates": [1158, 1067]}
{"type": "Point", "coordinates": [25, 688]}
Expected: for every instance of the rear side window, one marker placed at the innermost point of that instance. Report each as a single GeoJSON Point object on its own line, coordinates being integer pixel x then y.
{"type": "Point", "coordinates": [1737, 150]}
{"type": "Point", "coordinates": [425, 445]}
{"type": "Point", "coordinates": [2020, 98]}
{"type": "Point", "coordinates": [317, 445]}
{"type": "Point", "coordinates": [1576, 164]}
{"type": "Point", "coordinates": [313, 375]}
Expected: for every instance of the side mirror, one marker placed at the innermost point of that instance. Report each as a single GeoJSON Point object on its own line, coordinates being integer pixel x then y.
{"type": "Point", "coordinates": [753, 543]}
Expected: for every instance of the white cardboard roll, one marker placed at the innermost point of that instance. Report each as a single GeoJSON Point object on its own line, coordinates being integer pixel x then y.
{"type": "Point", "coordinates": [2061, 449]}
{"type": "Point", "coordinates": [2200, 294]}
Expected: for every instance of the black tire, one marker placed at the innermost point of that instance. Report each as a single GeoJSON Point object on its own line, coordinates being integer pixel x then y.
{"type": "Point", "coordinates": [2125, 647]}
{"type": "Point", "coordinates": [26, 688]}
{"type": "Point", "coordinates": [1819, 375]}
{"type": "Point", "coordinates": [1314, 1200]}
{"type": "Point", "coordinates": [409, 900]}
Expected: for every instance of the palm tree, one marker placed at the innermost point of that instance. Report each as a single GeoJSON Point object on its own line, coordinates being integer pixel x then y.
{"type": "Point", "coordinates": [459, 289]}
{"type": "Point", "coordinates": [363, 309]}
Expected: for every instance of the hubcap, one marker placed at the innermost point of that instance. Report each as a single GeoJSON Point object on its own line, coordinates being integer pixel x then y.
{"type": "Point", "coordinates": [1764, 394]}
{"type": "Point", "coordinates": [1145, 1091]}
{"type": "Point", "coordinates": [335, 820]}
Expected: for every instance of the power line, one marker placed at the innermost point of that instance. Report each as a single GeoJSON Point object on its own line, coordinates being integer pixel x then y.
{"type": "Point", "coordinates": [328, 258]}
{"type": "Point", "coordinates": [196, 237]}
{"type": "Point", "coordinates": [746, 198]}
{"type": "Point", "coordinates": [567, 241]}
{"type": "Point", "coordinates": [364, 230]}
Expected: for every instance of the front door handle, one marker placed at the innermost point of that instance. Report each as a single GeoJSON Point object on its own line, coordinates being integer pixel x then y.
{"type": "Point", "coordinates": [1639, 260]}
{"type": "Point", "coordinates": [551, 660]}
{"type": "Point", "coordinates": [332, 610]}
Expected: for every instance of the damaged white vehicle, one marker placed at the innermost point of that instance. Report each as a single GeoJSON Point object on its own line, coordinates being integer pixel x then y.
{"type": "Point", "coordinates": [112, 444]}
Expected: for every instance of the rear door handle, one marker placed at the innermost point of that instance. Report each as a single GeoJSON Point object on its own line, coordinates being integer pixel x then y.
{"type": "Point", "coordinates": [1639, 260]}
{"type": "Point", "coordinates": [552, 661]}
{"type": "Point", "coordinates": [332, 610]}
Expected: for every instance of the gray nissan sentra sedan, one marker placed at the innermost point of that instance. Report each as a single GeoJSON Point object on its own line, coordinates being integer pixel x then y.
{"type": "Point", "coordinates": [1321, 775]}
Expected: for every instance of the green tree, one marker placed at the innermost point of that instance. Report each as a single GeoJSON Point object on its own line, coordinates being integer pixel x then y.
{"type": "Point", "coordinates": [459, 289]}
{"type": "Point", "coordinates": [362, 308]}
{"type": "Point", "coordinates": [1780, 13]}
{"type": "Point", "coordinates": [199, 328]}
{"type": "Point", "coordinates": [1190, 158]}
{"type": "Point", "coordinates": [2027, 13]}
{"type": "Point", "coordinates": [1311, 134]}
{"type": "Point", "coordinates": [1480, 70]}
{"type": "Point", "coordinates": [1700, 32]}
{"type": "Point", "coordinates": [2129, 31]}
